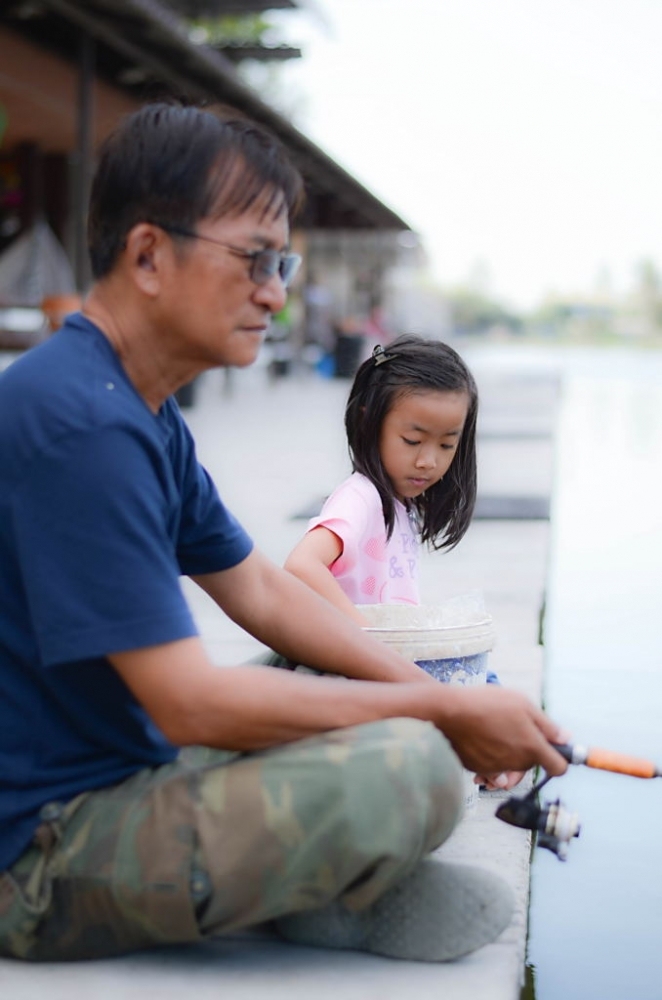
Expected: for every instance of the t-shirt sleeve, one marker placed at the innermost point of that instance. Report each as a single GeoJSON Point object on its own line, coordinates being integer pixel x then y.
{"type": "Point", "coordinates": [346, 514]}
{"type": "Point", "coordinates": [209, 537]}
{"type": "Point", "coordinates": [96, 555]}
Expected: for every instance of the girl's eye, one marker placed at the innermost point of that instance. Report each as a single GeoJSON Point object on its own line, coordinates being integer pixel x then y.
{"type": "Point", "coordinates": [407, 441]}
{"type": "Point", "coordinates": [448, 447]}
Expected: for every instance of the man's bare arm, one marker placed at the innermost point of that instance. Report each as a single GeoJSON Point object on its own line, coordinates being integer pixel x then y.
{"type": "Point", "coordinates": [253, 707]}
{"type": "Point", "coordinates": [285, 614]}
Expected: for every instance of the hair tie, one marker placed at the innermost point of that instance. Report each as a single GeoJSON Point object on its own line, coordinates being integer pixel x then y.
{"type": "Point", "coordinates": [380, 356]}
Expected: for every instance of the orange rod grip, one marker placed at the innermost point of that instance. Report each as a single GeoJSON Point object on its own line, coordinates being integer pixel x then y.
{"type": "Point", "coordinates": [606, 760]}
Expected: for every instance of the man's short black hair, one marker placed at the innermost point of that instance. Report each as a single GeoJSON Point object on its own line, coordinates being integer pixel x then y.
{"type": "Point", "coordinates": [173, 165]}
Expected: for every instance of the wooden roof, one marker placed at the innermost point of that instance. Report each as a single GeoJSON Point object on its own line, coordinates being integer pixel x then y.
{"type": "Point", "coordinates": [217, 8]}
{"type": "Point", "coordinates": [143, 49]}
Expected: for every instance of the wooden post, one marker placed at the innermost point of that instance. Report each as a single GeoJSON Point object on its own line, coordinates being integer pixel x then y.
{"type": "Point", "coordinates": [83, 163]}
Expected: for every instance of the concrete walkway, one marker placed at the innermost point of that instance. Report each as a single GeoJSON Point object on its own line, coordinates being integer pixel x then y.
{"type": "Point", "coordinates": [274, 449]}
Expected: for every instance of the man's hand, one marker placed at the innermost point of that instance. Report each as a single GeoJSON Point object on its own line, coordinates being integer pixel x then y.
{"type": "Point", "coordinates": [493, 729]}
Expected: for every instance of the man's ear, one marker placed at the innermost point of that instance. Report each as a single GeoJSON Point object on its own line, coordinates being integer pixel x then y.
{"type": "Point", "coordinates": [148, 252]}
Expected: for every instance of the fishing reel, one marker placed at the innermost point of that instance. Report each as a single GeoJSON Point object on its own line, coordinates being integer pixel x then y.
{"type": "Point", "coordinates": [554, 825]}
{"type": "Point", "coordinates": [552, 822]}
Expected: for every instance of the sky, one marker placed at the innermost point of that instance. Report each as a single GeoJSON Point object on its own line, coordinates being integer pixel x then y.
{"type": "Point", "coordinates": [522, 139]}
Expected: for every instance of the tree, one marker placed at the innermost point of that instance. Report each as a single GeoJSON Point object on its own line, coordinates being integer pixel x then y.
{"type": "Point", "coordinates": [474, 311]}
{"type": "Point", "coordinates": [648, 294]}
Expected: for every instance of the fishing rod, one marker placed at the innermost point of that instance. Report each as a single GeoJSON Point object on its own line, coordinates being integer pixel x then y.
{"type": "Point", "coordinates": [607, 760]}
{"type": "Point", "coordinates": [554, 825]}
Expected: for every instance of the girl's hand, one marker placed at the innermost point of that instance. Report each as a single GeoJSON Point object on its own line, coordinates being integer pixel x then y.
{"type": "Point", "coordinates": [502, 782]}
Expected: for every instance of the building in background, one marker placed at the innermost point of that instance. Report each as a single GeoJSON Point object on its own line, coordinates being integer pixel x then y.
{"type": "Point", "coordinates": [71, 68]}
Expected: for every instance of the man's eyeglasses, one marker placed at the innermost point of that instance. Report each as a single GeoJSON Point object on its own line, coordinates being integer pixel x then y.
{"type": "Point", "coordinates": [265, 264]}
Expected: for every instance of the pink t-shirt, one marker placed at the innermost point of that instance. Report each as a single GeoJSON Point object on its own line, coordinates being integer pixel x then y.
{"type": "Point", "coordinates": [371, 570]}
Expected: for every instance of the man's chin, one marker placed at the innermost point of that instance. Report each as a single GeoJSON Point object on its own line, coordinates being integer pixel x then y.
{"type": "Point", "coordinates": [247, 358]}
{"type": "Point", "coordinates": [244, 350]}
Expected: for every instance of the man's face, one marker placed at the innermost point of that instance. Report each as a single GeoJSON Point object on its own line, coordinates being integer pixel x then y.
{"type": "Point", "coordinates": [217, 313]}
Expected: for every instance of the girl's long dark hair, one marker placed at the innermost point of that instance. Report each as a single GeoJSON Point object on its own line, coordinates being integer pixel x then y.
{"type": "Point", "coordinates": [413, 364]}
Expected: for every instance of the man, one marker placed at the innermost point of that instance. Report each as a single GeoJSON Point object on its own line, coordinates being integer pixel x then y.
{"type": "Point", "coordinates": [295, 794]}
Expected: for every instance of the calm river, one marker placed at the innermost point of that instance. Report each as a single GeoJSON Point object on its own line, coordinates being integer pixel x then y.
{"type": "Point", "coordinates": [596, 920]}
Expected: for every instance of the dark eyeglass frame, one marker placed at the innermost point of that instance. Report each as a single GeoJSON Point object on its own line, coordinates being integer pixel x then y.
{"type": "Point", "coordinates": [265, 264]}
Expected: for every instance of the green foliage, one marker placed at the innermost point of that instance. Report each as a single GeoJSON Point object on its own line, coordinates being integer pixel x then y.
{"type": "Point", "coordinates": [649, 280]}
{"type": "Point", "coordinates": [474, 311]}
{"type": "Point", "coordinates": [648, 293]}
{"type": "Point", "coordinates": [238, 28]}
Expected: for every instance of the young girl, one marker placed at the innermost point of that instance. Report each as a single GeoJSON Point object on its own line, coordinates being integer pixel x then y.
{"type": "Point", "coordinates": [411, 430]}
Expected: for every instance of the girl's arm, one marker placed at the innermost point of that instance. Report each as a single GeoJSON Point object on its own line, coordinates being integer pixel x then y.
{"type": "Point", "coordinates": [311, 561]}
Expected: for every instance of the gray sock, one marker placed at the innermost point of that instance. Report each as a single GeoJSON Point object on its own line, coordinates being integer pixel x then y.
{"type": "Point", "coordinates": [439, 912]}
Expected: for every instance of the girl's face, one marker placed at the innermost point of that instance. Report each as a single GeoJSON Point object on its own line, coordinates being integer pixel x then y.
{"type": "Point", "coordinates": [419, 437]}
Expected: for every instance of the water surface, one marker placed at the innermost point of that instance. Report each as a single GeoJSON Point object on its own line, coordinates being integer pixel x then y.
{"type": "Point", "coordinates": [596, 920]}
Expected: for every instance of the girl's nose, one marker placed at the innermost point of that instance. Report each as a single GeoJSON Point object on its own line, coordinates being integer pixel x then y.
{"type": "Point", "coordinates": [426, 458]}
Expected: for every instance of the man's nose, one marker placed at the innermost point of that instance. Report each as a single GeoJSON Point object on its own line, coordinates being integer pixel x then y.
{"type": "Point", "coordinates": [272, 294]}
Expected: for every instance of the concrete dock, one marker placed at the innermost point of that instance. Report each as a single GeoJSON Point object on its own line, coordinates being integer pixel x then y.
{"type": "Point", "coordinates": [274, 449]}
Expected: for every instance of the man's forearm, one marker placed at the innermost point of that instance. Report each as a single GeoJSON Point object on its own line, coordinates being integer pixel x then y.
{"type": "Point", "coordinates": [252, 707]}
{"type": "Point", "coordinates": [289, 617]}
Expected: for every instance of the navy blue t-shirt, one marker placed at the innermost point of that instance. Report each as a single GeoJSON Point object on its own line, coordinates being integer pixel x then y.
{"type": "Point", "coordinates": [103, 505]}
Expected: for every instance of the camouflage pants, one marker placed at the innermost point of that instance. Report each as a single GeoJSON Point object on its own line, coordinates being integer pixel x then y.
{"type": "Point", "coordinates": [217, 841]}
